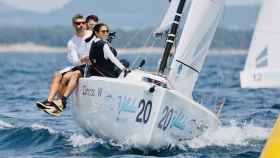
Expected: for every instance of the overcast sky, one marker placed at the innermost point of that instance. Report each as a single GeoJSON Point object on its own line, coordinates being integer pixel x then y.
{"type": "Point", "coordinates": [47, 6]}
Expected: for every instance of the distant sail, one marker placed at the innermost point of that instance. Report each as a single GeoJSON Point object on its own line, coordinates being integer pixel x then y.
{"type": "Point", "coordinates": [202, 21]}
{"type": "Point", "coordinates": [266, 37]}
{"type": "Point", "coordinates": [262, 64]}
{"type": "Point", "coordinates": [168, 18]}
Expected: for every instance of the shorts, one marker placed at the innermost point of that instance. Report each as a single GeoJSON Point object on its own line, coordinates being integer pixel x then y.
{"type": "Point", "coordinates": [66, 69]}
{"type": "Point", "coordinates": [82, 68]}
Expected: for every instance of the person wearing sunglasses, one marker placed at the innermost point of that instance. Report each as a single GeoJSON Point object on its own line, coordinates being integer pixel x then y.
{"type": "Point", "coordinates": [102, 55]}
{"type": "Point", "coordinates": [65, 80]}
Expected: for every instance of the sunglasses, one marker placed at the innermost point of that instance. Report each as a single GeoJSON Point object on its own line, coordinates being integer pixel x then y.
{"type": "Point", "coordinates": [79, 22]}
{"type": "Point", "coordinates": [104, 31]}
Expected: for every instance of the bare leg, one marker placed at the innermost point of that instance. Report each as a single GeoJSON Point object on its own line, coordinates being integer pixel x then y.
{"type": "Point", "coordinates": [72, 84]}
{"type": "Point", "coordinates": [54, 86]}
{"type": "Point", "coordinates": [65, 79]}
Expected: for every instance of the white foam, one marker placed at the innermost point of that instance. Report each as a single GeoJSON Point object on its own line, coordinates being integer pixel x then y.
{"type": "Point", "coordinates": [78, 140]}
{"type": "Point", "coordinates": [5, 125]}
{"type": "Point", "coordinates": [224, 136]}
{"type": "Point", "coordinates": [230, 135]}
{"type": "Point", "coordinates": [36, 126]}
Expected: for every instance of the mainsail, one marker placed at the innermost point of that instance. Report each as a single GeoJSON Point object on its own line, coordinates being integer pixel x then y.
{"type": "Point", "coordinates": [198, 32]}
{"type": "Point", "coordinates": [264, 49]}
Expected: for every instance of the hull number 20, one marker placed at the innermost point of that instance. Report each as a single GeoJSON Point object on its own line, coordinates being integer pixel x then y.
{"type": "Point", "coordinates": [144, 112]}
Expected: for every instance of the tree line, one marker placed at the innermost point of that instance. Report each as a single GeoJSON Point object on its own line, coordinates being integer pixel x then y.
{"type": "Point", "coordinates": [133, 38]}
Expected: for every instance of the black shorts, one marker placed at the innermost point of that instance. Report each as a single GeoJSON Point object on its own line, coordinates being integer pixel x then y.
{"type": "Point", "coordinates": [82, 68]}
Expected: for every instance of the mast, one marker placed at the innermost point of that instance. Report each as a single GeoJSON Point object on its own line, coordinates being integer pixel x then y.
{"type": "Point", "coordinates": [171, 36]}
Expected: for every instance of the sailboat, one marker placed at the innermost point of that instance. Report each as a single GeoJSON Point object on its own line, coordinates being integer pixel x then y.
{"type": "Point", "coordinates": [262, 67]}
{"type": "Point", "coordinates": [151, 109]}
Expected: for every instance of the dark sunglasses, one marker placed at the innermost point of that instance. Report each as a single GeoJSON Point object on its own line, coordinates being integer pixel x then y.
{"type": "Point", "coordinates": [79, 23]}
{"type": "Point", "coordinates": [104, 31]}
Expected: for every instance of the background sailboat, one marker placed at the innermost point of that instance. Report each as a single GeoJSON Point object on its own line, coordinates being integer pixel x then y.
{"type": "Point", "coordinates": [262, 67]}
{"type": "Point", "coordinates": [142, 108]}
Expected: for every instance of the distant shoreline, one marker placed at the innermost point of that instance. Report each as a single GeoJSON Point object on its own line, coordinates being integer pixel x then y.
{"type": "Point", "coordinates": [29, 48]}
{"type": "Point", "coordinates": [35, 48]}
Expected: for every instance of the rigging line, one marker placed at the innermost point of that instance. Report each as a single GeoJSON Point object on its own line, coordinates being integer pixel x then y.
{"type": "Point", "coordinates": [220, 73]}
{"type": "Point", "coordinates": [145, 44]}
{"type": "Point", "coordinates": [132, 39]}
{"type": "Point", "coordinates": [152, 45]}
{"type": "Point", "coordinates": [149, 37]}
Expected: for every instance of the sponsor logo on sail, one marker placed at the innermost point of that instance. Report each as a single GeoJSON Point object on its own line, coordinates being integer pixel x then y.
{"type": "Point", "coordinates": [179, 69]}
{"type": "Point", "coordinates": [262, 58]}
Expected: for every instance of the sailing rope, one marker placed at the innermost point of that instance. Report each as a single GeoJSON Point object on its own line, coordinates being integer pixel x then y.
{"type": "Point", "coordinates": [145, 45]}
{"type": "Point", "coordinates": [128, 43]}
{"type": "Point", "coordinates": [152, 45]}
{"type": "Point", "coordinates": [220, 74]}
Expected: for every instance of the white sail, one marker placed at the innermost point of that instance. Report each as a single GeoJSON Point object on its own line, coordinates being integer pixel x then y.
{"type": "Point", "coordinates": [193, 46]}
{"type": "Point", "coordinates": [168, 18]}
{"type": "Point", "coordinates": [262, 66]}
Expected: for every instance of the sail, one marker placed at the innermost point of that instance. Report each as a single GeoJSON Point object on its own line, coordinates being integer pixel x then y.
{"type": "Point", "coordinates": [168, 18]}
{"type": "Point", "coordinates": [198, 32]}
{"type": "Point", "coordinates": [264, 49]}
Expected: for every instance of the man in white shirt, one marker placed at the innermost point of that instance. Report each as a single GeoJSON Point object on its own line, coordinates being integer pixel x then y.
{"type": "Point", "coordinates": [66, 79]}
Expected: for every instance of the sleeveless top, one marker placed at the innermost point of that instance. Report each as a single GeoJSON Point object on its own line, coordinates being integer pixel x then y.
{"type": "Point", "coordinates": [102, 66]}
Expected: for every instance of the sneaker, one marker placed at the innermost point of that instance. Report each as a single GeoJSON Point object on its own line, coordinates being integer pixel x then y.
{"type": "Point", "coordinates": [53, 111]}
{"type": "Point", "coordinates": [49, 105]}
{"type": "Point", "coordinates": [50, 108]}
{"type": "Point", "coordinates": [59, 104]}
{"type": "Point", "coordinates": [44, 104]}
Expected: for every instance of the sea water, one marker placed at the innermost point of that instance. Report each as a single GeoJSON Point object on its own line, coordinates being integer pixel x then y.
{"type": "Point", "coordinates": [247, 117]}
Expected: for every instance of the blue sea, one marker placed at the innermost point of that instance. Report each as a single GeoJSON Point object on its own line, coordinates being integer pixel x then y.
{"type": "Point", "coordinates": [247, 117]}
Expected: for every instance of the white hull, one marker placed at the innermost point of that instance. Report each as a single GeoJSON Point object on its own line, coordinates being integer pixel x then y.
{"type": "Point", "coordinates": [260, 78]}
{"type": "Point", "coordinates": [123, 110]}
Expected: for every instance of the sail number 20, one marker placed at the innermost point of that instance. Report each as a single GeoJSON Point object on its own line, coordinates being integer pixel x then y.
{"type": "Point", "coordinates": [166, 118]}
{"type": "Point", "coordinates": [145, 111]}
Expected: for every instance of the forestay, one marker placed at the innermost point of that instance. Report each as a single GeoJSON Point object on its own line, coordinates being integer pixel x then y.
{"type": "Point", "coordinates": [198, 32]}
{"type": "Point", "coordinates": [264, 49]}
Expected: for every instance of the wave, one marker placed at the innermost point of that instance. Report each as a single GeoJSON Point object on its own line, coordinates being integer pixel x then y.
{"type": "Point", "coordinates": [230, 135]}
{"type": "Point", "coordinates": [5, 125]}
{"type": "Point", "coordinates": [36, 126]}
{"type": "Point", "coordinates": [77, 140]}
{"type": "Point", "coordinates": [225, 136]}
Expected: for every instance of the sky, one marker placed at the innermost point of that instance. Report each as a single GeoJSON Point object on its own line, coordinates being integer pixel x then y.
{"type": "Point", "coordinates": [47, 6]}
{"type": "Point", "coordinates": [117, 13]}
{"type": "Point", "coordinates": [40, 6]}
{"type": "Point", "coordinates": [243, 2]}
